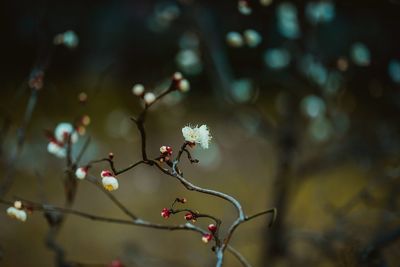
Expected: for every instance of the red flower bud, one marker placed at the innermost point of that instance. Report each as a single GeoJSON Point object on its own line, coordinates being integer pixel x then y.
{"type": "Point", "coordinates": [190, 216]}
{"type": "Point", "coordinates": [212, 228]}
{"type": "Point", "coordinates": [165, 213]}
{"type": "Point", "coordinates": [207, 238]}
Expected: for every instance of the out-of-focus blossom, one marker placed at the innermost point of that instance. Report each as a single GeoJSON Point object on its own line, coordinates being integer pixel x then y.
{"type": "Point", "coordinates": [81, 172]}
{"type": "Point", "coordinates": [234, 39]}
{"type": "Point", "coordinates": [138, 89]}
{"type": "Point", "coordinates": [288, 24]}
{"type": "Point", "coordinates": [65, 130]}
{"type": "Point", "coordinates": [394, 70]}
{"type": "Point", "coordinates": [69, 38]}
{"type": "Point", "coordinates": [313, 106]}
{"type": "Point", "coordinates": [149, 98]}
{"type": "Point", "coordinates": [244, 7]}
{"type": "Point", "coordinates": [252, 38]}
{"type": "Point", "coordinates": [277, 58]}
{"type": "Point", "coordinates": [189, 61]}
{"type": "Point", "coordinates": [360, 54]}
{"type": "Point", "coordinates": [319, 12]}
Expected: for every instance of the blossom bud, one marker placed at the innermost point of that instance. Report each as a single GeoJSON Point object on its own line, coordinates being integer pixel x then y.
{"type": "Point", "coordinates": [184, 85]}
{"type": "Point", "coordinates": [212, 228]}
{"type": "Point", "coordinates": [81, 172]}
{"type": "Point", "coordinates": [110, 183]}
{"type": "Point", "coordinates": [106, 173]}
{"type": "Point", "coordinates": [166, 150]}
{"type": "Point", "coordinates": [149, 98]}
{"type": "Point", "coordinates": [207, 238]}
{"type": "Point", "coordinates": [244, 7]}
{"type": "Point", "coordinates": [138, 89]}
{"type": "Point", "coordinates": [177, 76]}
{"type": "Point", "coordinates": [165, 213]}
{"type": "Point", "coordinates": [234, 39]}
{"type": "Point", "coordinates": [18, 204]}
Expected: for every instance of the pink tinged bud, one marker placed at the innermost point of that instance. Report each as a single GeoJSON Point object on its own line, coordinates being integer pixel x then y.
{"type": "Point", "coordinates": [106, 173]}
{"type": "Point", "coordinates": [207, 238]}
{"type": "Point", "coordinates": [111, 156]}
{"type": "Point", "coordinates": [189, 216]}
{"type": "Point", "coordinates": [81, 173]}
{"type": "Point", "coordinates": [165, 213]}
{"type": "Point", "coordinates": [212, 228]}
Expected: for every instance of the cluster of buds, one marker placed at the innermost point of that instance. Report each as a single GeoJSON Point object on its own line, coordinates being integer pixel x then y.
{"type": "Point", "coordinates": [82, 123]}
{"type": "Point", "coordinates": [190, 216]}
{"type": "Point", "coordinates": [139, 90]}
{"type": "Point", "coordinates": [250, 37]}
{"type": "Point", "coordinates": [180, 83]}
{"type": "Point", "coordinates": [63, 133]}
{"type": "Point", "coordinates": [165, 213]}
{"type": "Point", "coordinates": [17, 211]}
{"type": "Point", "coordinates": [166, 152]}
{"type": "Point", "coordinates": [109, 182]}
{"type": "Point", "coordinates": [209, 236]}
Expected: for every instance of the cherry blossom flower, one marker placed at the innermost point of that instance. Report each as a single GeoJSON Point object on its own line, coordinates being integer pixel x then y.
{"type": "Point", "coordinates": [200, 135]}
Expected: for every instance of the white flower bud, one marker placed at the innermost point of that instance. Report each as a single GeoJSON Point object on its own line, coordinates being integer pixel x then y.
{"type": "Point", "coordinates": [110, 183]}
{"type": "Point", "coordinates": [81, 173]}
{"type": "Point", "coordinates": [177, 76]}
{"type": "Point", "coordinates": [244, 8]}
{"type": "Point", "coordinates": [62, 132]}
{"type": "Point", "coordinates": [138, 89]}
{"type": "Point", "coordinates": [18, 204]}
{"type": "Point", "coordinates": [184, 86]}
{"type": "Point", "coordinates": [149, 98]}
{"type": "Point", "coordinates": [17, 214]}
{"type": "Point", "coordinates": [234, 39]}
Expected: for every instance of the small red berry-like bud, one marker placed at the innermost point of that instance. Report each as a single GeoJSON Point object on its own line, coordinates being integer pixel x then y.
{"type": "Point", "coordinates": [212, 228]}
{"type": "Point", "coordinates": [111, 156]}
{"type": "Point", "coordinates": [207, 238]}
{"type": "Point", "coordinates": [165, 213]}
{"type": "Point", "coordinates": [189, 216]}
{"type": "Point", "coordinates": [116, 263]}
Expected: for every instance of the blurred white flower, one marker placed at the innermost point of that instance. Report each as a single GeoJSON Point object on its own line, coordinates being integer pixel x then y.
{"type": "Point", "coordinates": [138, 89]}
{"type": "Point", "coordinates": [234, 39]}
{"type": "Point", "coordinates": [17, 214]}
{"type": "Point", "coordinates": [244, 7]}
{"type": "Point", "coordinates": [81, 172]}
{"type": "Point", "coordinates": [184, 85]}
{"type": "Point", "coordinates": [200, 135]}
{"type": "Point", "coordinates": [63, 131]}
{"type": "Point", "coordinates": [252, 38]}
{"type": "Point", "coordinates": [149, 98]}
{"type": "Point", "coordinates": [56, 149]}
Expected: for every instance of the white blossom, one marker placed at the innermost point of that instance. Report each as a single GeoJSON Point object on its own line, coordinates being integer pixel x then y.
{"type": "Point", "coordinates": [17, 214]}
{"type": "Point", "coordinates": [81, 173]}
{"type": "Point", "coordinates": [200, 135]}
{"type": "Point", "coordinates": [56, 149]}
{"type": "Point", "coordinates": [110, 183]}
{"type": "Point", "coordinates": [138, 89]}
{"type": "Point", "coordinates": [149, 98]}
{"type": "Point", "coordinates": [244, 8]}
{"type": "Point", "coordinates": [63, 130]}
{"type": "Point", "coordinates": [184, 86]}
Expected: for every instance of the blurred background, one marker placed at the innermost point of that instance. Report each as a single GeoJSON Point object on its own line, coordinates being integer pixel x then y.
{"type": "Point", "coordinates": [302, 99]}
